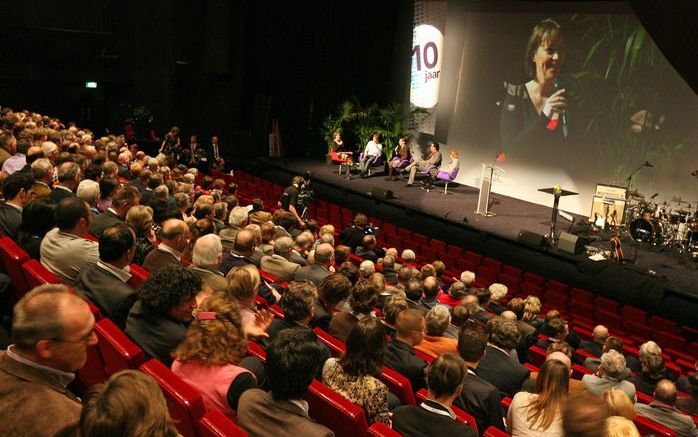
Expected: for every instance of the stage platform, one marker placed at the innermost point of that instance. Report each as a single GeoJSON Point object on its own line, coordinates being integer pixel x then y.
{"type": "Point", "coordinates": [659, 279]}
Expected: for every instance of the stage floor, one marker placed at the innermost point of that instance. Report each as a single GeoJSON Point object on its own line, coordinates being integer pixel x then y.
{"type": "Point", "coordinates": [512, 215]}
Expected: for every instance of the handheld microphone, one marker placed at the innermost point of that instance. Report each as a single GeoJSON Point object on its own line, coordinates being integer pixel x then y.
{"type": "Point", "coordinates": [563, 114]}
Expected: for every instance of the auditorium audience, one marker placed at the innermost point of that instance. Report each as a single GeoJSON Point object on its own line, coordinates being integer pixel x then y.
{"type": "Point", "coordinates": [129, 403]}
{"type": "Point", "coordinates": [617, 403]}
{"type": "Point", "coordinates": [158, 321]}
{"type": "Point", "coordinates": [355, 374]}
{"type": "Point", "coordinates": [298, 303]}
{"type": "Point", "coordinates": [69, 177]}
{"type": "Point", "coordinates": [399, 355]}
{"type": "Point", "coordinates": [498, 292]}
{"type": "Point", "coordinates": [17, 192]}
{"type": "Point", "coordinates": [392, 306]}
{"type": "Point", "coordinates": [315, 273]}
{"type": "Point", "coordinates": [51, 331]}
{"type": "Point", "coordinates": [140, 219]}
{"type": "Point", "coordinates": [42, 170]}
{"type": "Point", "coordinates": [237, 220]}
{"type": "Point", "coordinates": [540, 412]}
{"type": "Point", "coordinates": [430, 289]}
{"type": "Point", "coordinates": [37, 220]}
{"type": "Point", "coordinates": [454, 296]}
{"type": "Point", "coordinates": [608, 375]}
{"type": "Point", "coordinates": [209, 356]}
{"type": "Point", "coordinates": [663, 410]}
{"type": "Point", "coordinates": [595, 347]}
{"type": "Point", "coordinates": [654, 370]}
{"type": "Point", "coordinates": [280, 264]}
{"type": "Point", "coordinates": [175, 238]}
{"type": "Point", "coordinates": [497, 366]}
{"type": "Point", "coordinates": [478, 397]}
{"type": "Point", "coordinates": [332, 290]}
{"type": "Point", "coordinates": [105, 283]}
{"type": "Point", "coordinates": [364, 296]}
{"type": "Point", "coordinates": [445, 378]}
{"type": "Point", "coordinates": [206, 261]}
{"type": "Point", "coordinates": [690, 404]}
{"type": "Point", "coordinates": [434, 343]}
{"type": "Point", "coordinates": [65, 250]}
{"type": "Point", "coordinates": [293, 358]}
{"type": "Point", "coordinates": [616, 426]}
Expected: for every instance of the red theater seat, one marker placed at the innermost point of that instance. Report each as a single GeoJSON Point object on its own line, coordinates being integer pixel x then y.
{"type": "Point", "coordinates": [336, 345]}
{"type": "Point", "coordinates": [35, 274]}
{"type": "Point", "coordinates": [217, 424]}
{"type": "Point", "coordinates": [256, 350]}
{"type": "Point", "coordinates": [461, 415]}
{"type": "Point", "coordinates": [119, 351]}
{"type": "Point", "coordinates": [649, 427]}
{"type": "Point", "coordinates": [185, 403]}
{"type": "Point", "coordinates": [93, 370]}
{"type": "Point", "coordinates": [379, 429]}
{"type": "Point", "coordinates": [536, 355]}
{"type": "Point", "coordinates": [335, 411]}
{"type": "Point", "coordinates": [138, 276]}
{"type": "Point", "coordinates": [398, 385]}
{"type": "Point", "coordinates": [12, 257]}
{"type": "Point", "coordinates": [495, 432]}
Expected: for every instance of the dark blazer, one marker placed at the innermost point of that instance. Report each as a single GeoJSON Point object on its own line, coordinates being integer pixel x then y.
{"type": "Point", "coordinates": [157, 334]}
{"type": "Point", "coordinates": [390, 275]}
{"type": "Point", "coordinates": [277, 265]}
{"type": "Point", "coordinates": [502, 371]}
{"type": "Point", "coordinates": [341, 324]}
{"type": "Point", "coordinates": [10, 220]}
{"type": "Point", "coordinates": [313, 273]}
{"type": "Point", "coordinates": [230, 260]}
{"type": "Point", "coordinates": [481, 399]}
{"type": "Point", "coordinates": [59, 194]}
{"type": "Point", "coordinates": [33, 403]}
{"type": "Point", "coordinates": [158, 259]}
{"type": "Point", "coordinates": [351, 237]}
{"type": "Point", "coordinates": [416, 421]}
{"type": "Point", "coordinates": [322, 318]}
{"type": "Point", "coordinates": [259, 414]}
{"type": "Point", "coordinates": [101, 223]}
{"type": "Point", "coordinates": [592, 347]}
{"type": "Point", "coordinates": [400, 357]}
{"type": "Point", "coordinates": [113, 296]}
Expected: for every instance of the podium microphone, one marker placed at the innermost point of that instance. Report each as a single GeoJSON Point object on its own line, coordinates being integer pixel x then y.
{"type": "Point", "coordinates": [563, 114]}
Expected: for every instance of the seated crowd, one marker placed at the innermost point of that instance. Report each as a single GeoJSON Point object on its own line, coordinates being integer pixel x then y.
{"type": "Point", "coordinates": [217, 270]}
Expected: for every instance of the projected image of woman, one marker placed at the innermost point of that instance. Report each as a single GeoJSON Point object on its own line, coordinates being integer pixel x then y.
{"type": "Point", "coordinates": [533, 113]}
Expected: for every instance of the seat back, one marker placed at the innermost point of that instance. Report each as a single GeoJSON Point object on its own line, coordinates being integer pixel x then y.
{"type": "Point", "coordinates": [138, 276]}
{"type": "Point", "coordinates": [217, 424]}
{"type": "Point", "coordinates": [257, 351]}
{"type": "Point", "coordinates": [118, 351]}
{"type": "Point", "coordinates": [649, 427]}
{"type": "Point", "coordinates": [495, 432]}
{"type": "Point", "coordinates": [398, 385]}
{"type": "Point", "coordinates": [379, 429]}
{"type": "Point", "coordinates": [93, 370]}
{"type": "Point", "coordinates": [461, 415]}
{"type": "Point", "coordinates": [11, 259]}
{"type": "Point", "coordinates": [35, 274]}
{"type": "Point", "coordinates": [336, 345]}
{"type": "Point", "coordinates": [185, 403]}
{"type": "Point", "coordinates": [335, 411]}
{"type": "Point", "coordinates": [536, 355]}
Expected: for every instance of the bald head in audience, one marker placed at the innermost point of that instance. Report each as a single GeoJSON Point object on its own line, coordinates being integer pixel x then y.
{"type": "Point", "coordinates": [244, 243]}
{"type": "Point", "coordinates": [324, 254]}
{"type": "Point", "coordinates": [175, 234]}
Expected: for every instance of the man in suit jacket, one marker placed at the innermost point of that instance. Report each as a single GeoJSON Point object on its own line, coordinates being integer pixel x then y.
{"type": "Point", "coordinates": [315, 273]}
{"type": "Point", "coordinates": [399, 355]}
{"type": "Point", "coordinates": [105, 283]}
{"type": "Point", "coordinates": [389, 272]}
{"type": "Point", "coordinates": [52, 330]}
{"type": "Point", "coordinates": [332, 290]}
{"type": "Point", "coordinates": [595, 347]}
{"type": "Point", "coordinates": [69, 176]}
{"type": "Point", "coordinates": [42, 170]}
{"type": "Point", "coordinates": [64, 250]}
{"type": "Point", "coordinates": [608, 375]}
{"type": "Point", "coordinates": [206, 260]}
{"type": "Point", "coordinates": [279, 263]}
{"type": "Point", "coordinates": [237, 220]}
{"type": "Point", "coordinates": [497, 365]}
{"type": "Point", "coordinates": [433, 160]}
{"type": "Point", "coordinates": [294, 357]}
{"type": "Point", "coordinates": [663, 410]}
{"type": "Point", "coordinates": [123, 199]}
{"type": "Point", "coordinates": [445, 378]}
{"type": "Point", "coordinates": [174, 239]}
{"type": "Point", "coordinates": [479, 397]}
{"type": "Point", "coordinates": [16, 189]}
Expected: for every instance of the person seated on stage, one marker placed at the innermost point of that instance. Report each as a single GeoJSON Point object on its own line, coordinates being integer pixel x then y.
{"type": "Point", "coordinates": [339, 153]}
{"type": "Point", "coordinates": [433, 160]}
{"type": "Point", "coordinates": [401, 154]}
{"type": "Point", "coordinates": [445, 379]}
{"type": "Point", "coordinates": [373, 149]}
{"type": "Point", "coordinates": [448, 169]}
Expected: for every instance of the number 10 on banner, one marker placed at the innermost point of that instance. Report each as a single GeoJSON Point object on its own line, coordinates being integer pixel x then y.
{"type": "Point", "coordinates": [426, 66]}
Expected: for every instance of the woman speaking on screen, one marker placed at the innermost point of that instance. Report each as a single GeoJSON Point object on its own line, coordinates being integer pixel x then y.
{"type": "Point", "coordinates": [533, 113]}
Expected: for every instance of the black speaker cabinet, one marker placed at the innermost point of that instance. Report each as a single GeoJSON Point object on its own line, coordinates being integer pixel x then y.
{"type": "Point", "coordinates": [381, 193]}
{"type": "Point", "coordinates": [531, 238]}
{"type": "Point", "coordinates": [570, 243]}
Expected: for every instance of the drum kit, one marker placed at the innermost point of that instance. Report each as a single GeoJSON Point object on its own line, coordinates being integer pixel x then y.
{"type": "Point", "coordinates": [672, 224]}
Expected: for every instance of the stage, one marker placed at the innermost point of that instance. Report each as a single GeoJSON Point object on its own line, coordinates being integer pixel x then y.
{"type": "Point", "coordinates": [660, 279]}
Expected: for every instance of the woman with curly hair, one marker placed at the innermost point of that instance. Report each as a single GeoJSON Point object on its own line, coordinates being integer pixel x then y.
{"type": "Point", "coordinates": [355, 374]}
{"type": "Point", "coordinates": [129, 404]}
{"type": "Point", "coordinates": [158, 321]}
{"type": "Point", "coordinates": [209, 357]}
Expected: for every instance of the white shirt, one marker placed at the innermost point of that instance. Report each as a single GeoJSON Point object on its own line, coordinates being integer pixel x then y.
{"type": "Point", "coordinates": [63, 378]}
{"type": "Point", "coordinates": [373, 149]}
{"type": "Point", "coordinates": [123, 274]}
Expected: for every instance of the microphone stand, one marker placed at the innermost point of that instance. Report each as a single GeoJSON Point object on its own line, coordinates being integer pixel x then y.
{"type": "Point", "coordinates": [629, 179]}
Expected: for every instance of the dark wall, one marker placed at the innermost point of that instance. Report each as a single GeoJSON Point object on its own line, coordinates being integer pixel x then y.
{"type": "Point", "coordinates": [212, 66]}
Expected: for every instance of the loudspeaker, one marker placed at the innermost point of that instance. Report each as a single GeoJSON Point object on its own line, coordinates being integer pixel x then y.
{"type": "Point", "coordinates": [570, 243]}
{"type": "Point", "coordinates": [531, 238]}
{"type": "Point", "coordinates": [381, 193]}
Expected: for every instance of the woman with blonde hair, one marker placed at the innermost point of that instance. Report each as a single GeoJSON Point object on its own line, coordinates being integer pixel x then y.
{"type": "Point", "coordinates": [540, 413]}
{"type": "Point", "coordinates": [532, 308]}
{"type": "Point", "coordinates": [128, 404]}
{"type": "Point", "coordinates": [617, 426]}
{"type": "Point", "coordinates": [209, 357]}
{"type": "Point", "coordinates": [140, 219]}
{"type": "Point", "coordinates": [617, 403]}
{"type": "Point", "coordinates": [243, 286]}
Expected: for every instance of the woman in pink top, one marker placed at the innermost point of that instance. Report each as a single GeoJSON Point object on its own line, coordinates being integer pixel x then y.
{"type": "Point", "coordinates": [210, 355]}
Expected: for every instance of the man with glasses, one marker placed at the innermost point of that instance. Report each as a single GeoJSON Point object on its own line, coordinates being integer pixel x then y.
{"type": "Point", "coordinates": [123, 199]}
{"type": "Point", "coordinates": [51, 331]}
